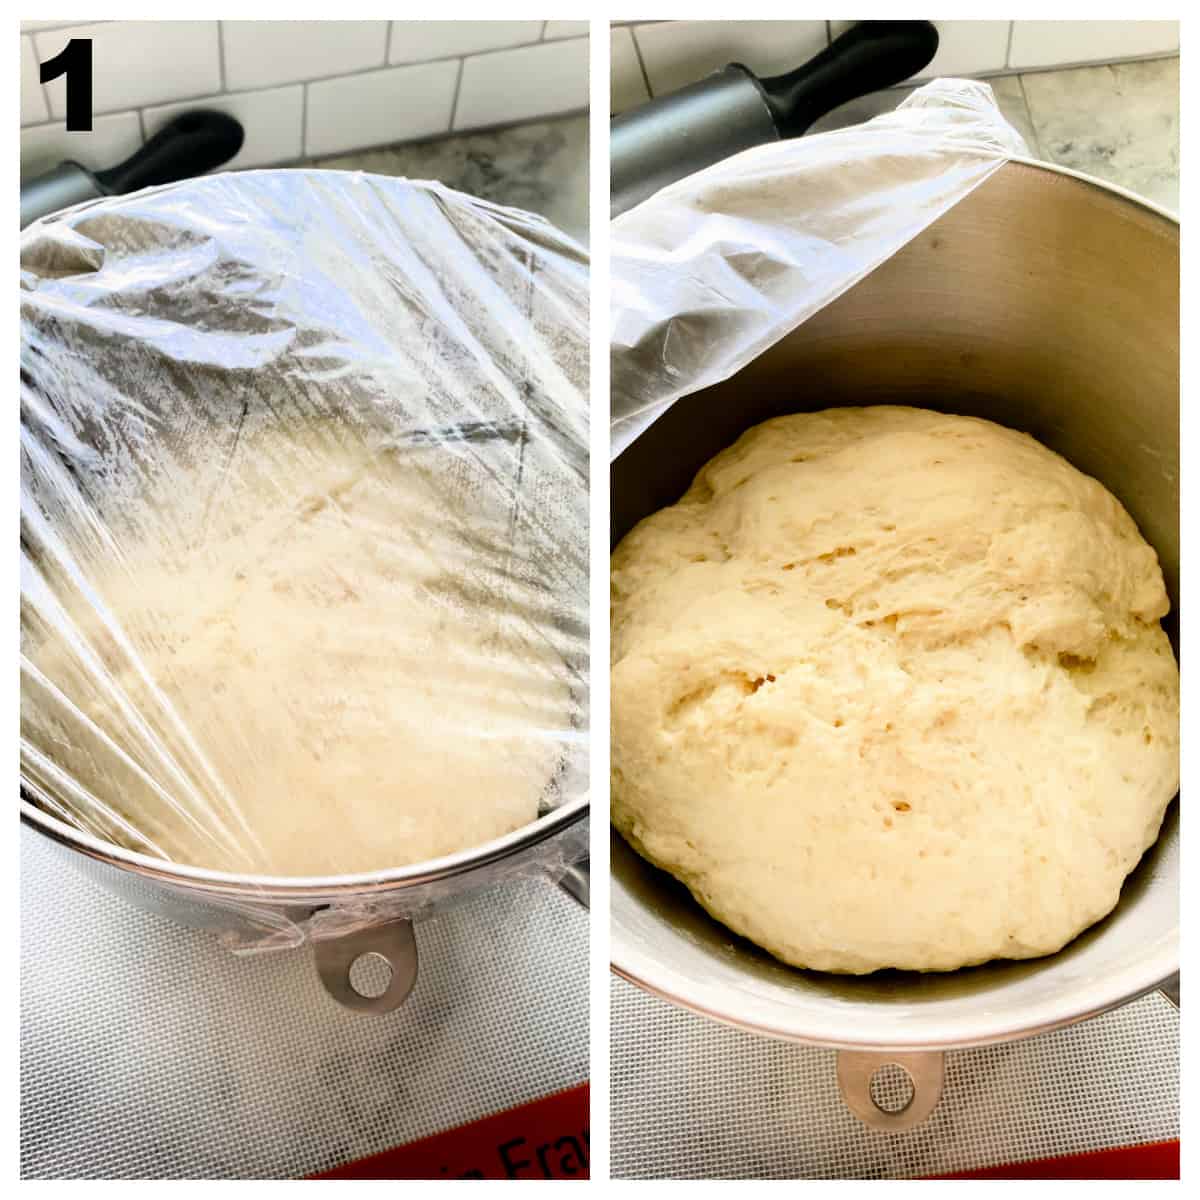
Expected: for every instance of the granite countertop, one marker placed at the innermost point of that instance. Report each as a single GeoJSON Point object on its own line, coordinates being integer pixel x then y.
{"type": "Point", "coordinates": [1118, 122]}
{"type": "Point", "coordinates": [540, 166]}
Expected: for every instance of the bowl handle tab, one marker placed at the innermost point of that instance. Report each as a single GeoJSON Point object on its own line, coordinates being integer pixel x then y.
{"type": "Point", "coordinates": [1170, 989]}
{"type": "Point", "coordinates": [926, 1069]}
{"type": "Point", "coordinates": [576, 881]}
{"type": "Point", "coordinates": [394, 942]}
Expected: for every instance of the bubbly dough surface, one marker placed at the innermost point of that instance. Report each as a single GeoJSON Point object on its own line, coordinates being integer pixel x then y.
{"type": "Point", "coordinates": [889, 689]}
{"type": "Point", "coordinates": [344, 674]}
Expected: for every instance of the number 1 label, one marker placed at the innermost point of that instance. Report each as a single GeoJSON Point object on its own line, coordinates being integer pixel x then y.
{"type": "Point", "coordinates": [75, 62]}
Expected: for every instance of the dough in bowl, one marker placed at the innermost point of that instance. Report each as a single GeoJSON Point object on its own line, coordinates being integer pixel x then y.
{"type": "Point", "coordinates": [316, 659]}
{"type": "Point", "coordinates": [889, 689]}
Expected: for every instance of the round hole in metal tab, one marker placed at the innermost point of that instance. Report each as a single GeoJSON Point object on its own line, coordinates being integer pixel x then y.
{"type": "Point", "coordinates": [892, 1088]}
{"type": "Point", "coordinates": [370, 975]}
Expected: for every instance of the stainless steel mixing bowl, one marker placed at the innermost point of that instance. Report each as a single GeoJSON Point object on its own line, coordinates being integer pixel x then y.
{"type": "Point", "coordinates": [1045, 301]}
{"type": "Point", "coordinates": [347, 916]}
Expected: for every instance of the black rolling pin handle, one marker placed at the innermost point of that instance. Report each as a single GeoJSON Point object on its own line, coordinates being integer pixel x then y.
{"type": "Point", "coordinates": [190, 144]}
{"type": "Point", "coordinates": [868, 57]}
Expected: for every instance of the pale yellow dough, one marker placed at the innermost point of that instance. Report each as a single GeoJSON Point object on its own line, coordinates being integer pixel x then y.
{"type": "Point", "coordinates": [889, 689]}
{"type": "Point", "coordinates": [345, 673]}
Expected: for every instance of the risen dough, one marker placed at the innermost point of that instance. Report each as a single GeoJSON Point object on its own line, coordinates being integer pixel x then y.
{"type": "Point", "coordinates": [343, 673]}
{"type": "Point", "coordinates": [889, 689]}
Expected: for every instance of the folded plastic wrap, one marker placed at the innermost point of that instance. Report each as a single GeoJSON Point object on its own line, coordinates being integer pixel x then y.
{"type": "Point", "coordinates": [711, 271]}
{"type": "Point", "coordinates": [304, 523]}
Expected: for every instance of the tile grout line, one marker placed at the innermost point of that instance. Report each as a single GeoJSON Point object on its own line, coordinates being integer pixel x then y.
{"type": "Point", "coordinates": [304, 121]}
{"type": "Point", "coordinates": [1008, 48]}
{"type": "Point", "coordinates": [263, 89]}
{"type": "Point", "coordinates": [221, 55]}
{"type": "Point", "coordinates": [136, 108]}
{"type": "Point", "coordinates": [451, 134]}
{"type": "Point", "coordinates": [250, 91]}
{"type": "Point", "coordinates": [462, 62]}
{"type": "Point", "coordinates": [563, 114]}
{"type": "Point", "coordinates": [1013, 72]}
{"type": "Point", "coordinates": [480, 53]}
{"type": "Point", "coordinates": [355, 74]}
{"type": "Point", "coordinates": [1085, 64]}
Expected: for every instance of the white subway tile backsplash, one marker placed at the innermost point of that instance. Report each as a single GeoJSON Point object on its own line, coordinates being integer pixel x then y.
{"type": "Point", "coordinates": [139, 62]}
{"type": "Point", "coordinates": [1053, 43]}
{"type": "Point", "coordinates": [677, 53]}
{"type": "Point", "coordinates": [33, 99]}
{"type": "Point", "coordinates": [420, 41]}
{"type": "Point", "coordinates": [395, 105]}
{"type": "Point", "coordinates": [969, 48]}
{"type": "Point", "coordinates": [111, 140]}
{"type": "Point", "coordinates": [565, 29]}
{"type": "Point", "coordinates": [964, 47]}
{"type": "Point", "coordinates": [500, 72]}
{"type": "Point", "coordinates": [628, 84]}
{"type": "Point", "coordinates": [514, 85]}
{"type": "Point", "coordinates": [263, 54]}
{"type": "Point", "coordinates": [273, 121]}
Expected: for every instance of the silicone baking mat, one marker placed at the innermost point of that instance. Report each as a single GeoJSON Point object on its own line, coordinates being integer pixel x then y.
{"type": "Point", "coordinates": [694, 1099]}
{"type": "Point", "coordinates": [150, 1052]}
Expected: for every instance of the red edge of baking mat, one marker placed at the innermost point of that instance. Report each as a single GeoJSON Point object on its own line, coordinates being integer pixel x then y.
{"type": "Point", "coordinates": [545, 1139]}
{"type": "Point", "coordinates": [1155, 1160]}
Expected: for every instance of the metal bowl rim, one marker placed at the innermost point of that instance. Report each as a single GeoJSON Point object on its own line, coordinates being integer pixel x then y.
{"type": "Point", "coordinates": [300, 887]}
{"type": "Point", "coordinates": [901, 1044]}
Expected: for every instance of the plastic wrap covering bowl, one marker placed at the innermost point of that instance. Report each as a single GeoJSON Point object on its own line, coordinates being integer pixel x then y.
{"type": "Point", "coordinates": [304, 554]}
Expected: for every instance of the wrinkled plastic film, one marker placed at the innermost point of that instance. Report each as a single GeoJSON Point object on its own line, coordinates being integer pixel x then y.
{"type": "Point", "coordinates": [266, 927]}
{"type": "Point", "coordinates": [711, 271]}
{"type": "Point", "coordinates": [304, 523]}
{"type": "Point", "coordinates": [252, 922]}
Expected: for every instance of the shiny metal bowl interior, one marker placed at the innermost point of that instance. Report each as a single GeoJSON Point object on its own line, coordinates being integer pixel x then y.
{"type": "Point", "coordinates": [1045, 302]}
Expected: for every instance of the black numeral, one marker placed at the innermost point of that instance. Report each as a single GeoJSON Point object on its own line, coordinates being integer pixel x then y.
{"type": "Point", "coordinates": [75, 62]}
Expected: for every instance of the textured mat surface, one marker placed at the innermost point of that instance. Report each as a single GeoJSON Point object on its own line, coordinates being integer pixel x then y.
{"type": "Point", "coordinates": [148, 1051]}
{"type": "Point", "coordinates": [694, 1099]}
